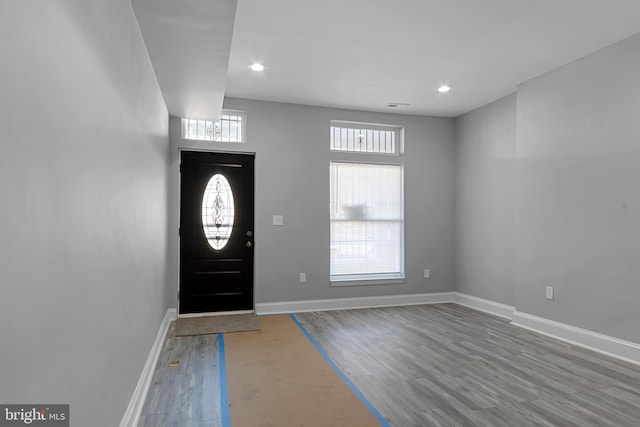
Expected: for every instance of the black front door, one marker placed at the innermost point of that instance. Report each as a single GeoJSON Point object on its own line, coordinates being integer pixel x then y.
{"type": "Point", "coordinates": [216, 232]}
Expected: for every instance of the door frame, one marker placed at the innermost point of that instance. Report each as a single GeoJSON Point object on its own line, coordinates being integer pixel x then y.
{"type": "Point", "coordinates": [179, 219]}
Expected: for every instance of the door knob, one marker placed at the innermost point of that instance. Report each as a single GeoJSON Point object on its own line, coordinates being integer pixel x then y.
{"type": "Point", "coordinates": [249, 244]}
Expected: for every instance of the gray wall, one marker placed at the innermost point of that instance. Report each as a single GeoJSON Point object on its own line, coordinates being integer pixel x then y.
{"type": "Point", "coordinates": [578, 201]}
{"type": "Point", "coordinates": [574, 195]}
{"type": "Point", "coordinates": [485, 191]}
{"type": "Point", "coordinates": [83, 225]}
{"type": "Point", "coordinates": [291, 143]}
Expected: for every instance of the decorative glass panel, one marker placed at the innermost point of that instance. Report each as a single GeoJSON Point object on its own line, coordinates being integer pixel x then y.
{"type": "Point", "coordinates": [217, 211]}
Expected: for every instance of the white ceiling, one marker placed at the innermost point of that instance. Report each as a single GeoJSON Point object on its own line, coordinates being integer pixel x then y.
{"type": "Point", "coordinates": [189, 42]}
{"type": "Point", "coordinates": [364, 54]}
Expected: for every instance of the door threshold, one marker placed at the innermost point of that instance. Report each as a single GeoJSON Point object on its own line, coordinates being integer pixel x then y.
{"type": "Point", "coordinates": [216, 313]}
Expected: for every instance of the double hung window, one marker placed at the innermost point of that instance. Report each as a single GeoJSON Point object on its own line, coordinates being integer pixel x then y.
{"type": "Point", "coordinates": [366, 205]}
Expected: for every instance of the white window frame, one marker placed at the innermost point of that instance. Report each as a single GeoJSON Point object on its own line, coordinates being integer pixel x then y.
{"type": "Point", "coordinates": [373, 158]}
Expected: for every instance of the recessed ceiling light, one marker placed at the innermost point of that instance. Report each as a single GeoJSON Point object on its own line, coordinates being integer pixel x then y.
{"type": "Point", "coordinates": [444, 88]}
{"type": "Point", "coordinates": [256, 66]}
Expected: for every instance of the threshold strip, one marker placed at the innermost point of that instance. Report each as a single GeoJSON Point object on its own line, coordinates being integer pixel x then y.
{"type": "Point", "coordinates": [342, 375]}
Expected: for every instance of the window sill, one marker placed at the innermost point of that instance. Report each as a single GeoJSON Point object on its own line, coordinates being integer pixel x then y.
{"type": "Point", "coordinates": [366, 281]}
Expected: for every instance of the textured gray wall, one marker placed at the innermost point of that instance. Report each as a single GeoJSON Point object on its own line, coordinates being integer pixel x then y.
{"type": "Point", "coordinates": [83, 225]}
{"type": "Point", "coordinates": [485, 250]}
{"type": "Point", "coordinates": [578, 200]}
{"type": "Point", "coordinates": [291, 143]}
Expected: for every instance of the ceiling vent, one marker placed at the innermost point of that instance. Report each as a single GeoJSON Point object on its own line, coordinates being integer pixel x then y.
{"type": "Point", "coordinates": [397, 106]}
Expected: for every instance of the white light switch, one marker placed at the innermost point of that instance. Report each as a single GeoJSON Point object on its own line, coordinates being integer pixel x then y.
{"type": "Point", "coordinates": [427, 273]}
{"type": "Point", "coordinates": [549, 292]}
{"type": "Point", "coordinates": [303, 277]}
{"type": "Point", "coordinates": [278, 220]}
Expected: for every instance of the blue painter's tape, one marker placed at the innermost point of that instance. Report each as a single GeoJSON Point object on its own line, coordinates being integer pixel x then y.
{"type": "Point", "coordinates": [224, 397]}
{"type": "Point", "coordinates": [383, 422]}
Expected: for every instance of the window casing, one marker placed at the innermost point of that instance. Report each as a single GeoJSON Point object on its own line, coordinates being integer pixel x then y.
{"type": "Point", "coordinates": [366, 205]}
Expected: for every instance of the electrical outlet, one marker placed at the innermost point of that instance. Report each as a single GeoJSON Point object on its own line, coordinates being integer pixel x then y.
{"type": "Point", "coordinates": [427, 273]}
{"type": "Point", "coordinates": [303, 277]}
{"type": "Point", "coordinates": [278, 220]}
{"type": "Point", "coordinates": [549, 292]}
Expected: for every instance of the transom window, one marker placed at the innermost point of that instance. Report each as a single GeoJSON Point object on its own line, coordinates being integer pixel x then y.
{"type": "Point", "coordinates": [364, 138]}
{"type": "Point", "coordinates": [230, 128]}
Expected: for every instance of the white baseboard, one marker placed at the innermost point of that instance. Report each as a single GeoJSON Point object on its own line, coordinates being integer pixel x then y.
{"type": "Point", "coordinates": [132, 414]}
{"type": "Point", "coordinates": [488, 306]}
{"type": "Point", "coordinates": [625, 350]}
{"type": "Point", "coordinates": [347, 303]}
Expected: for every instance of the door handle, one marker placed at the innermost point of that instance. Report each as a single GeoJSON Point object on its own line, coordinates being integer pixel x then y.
{"type": "Point", "coordinates": [249, 244]}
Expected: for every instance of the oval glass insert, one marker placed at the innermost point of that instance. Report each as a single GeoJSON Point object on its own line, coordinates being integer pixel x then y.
{"type": "Point", "coordinates": [217, 211]}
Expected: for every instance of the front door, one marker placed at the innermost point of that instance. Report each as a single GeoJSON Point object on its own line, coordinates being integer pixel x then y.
{"type": "Point", "coordinates": [216, 232]}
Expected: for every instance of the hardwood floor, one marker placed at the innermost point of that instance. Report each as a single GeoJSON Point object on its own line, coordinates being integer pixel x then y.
{"type": "Point", "coordinates": [446, 365]}
{"type": "Point", "coordinates": [430, 365]}
{"type": "Point", "coordinates": [187, 395]}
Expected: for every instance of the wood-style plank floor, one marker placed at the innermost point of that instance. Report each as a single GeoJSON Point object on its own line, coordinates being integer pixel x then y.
{"type": "Point", "coordinates": [187, 395]}
{"type": "Point", "coordinates": [430, 365]}
{"type": "Point", "coordinates": [447, 365]}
